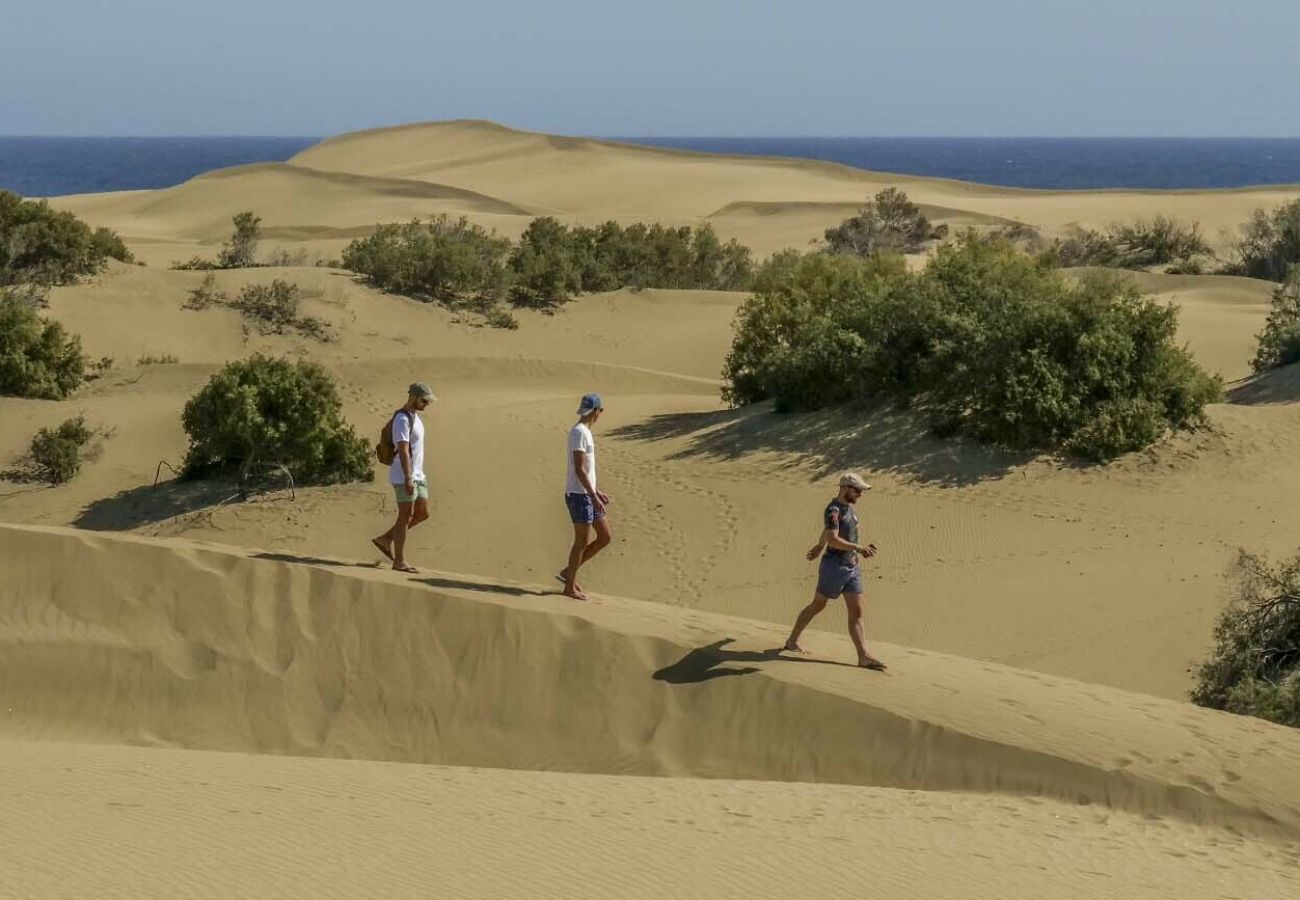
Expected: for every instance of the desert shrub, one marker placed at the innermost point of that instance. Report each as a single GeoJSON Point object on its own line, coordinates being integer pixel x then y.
{"type": "Point", "coordinates": [1017, 233]}
{"type": "Point", "coordinates": [798, 338]}
{"type": "Point", "coordinates": [501, 318]}
{"type": "Point", "coordinates": [56, 455]}
{"type": "Point", "coordinates": [1254, 667]}
{"type": "Point", "coordinates": [206, 294]}
{"type": "Point", "coordinates": [1139, 244]}
{"type": "Point", "coordinates": [283, 257]}
{"type": "Point", "coordinates": [441, 260]}
{"type": "Point", "coordinates": [273, 309]}
{"type": "Point", "coordinates": [1269, 244]}
{"type": "Point", "coordinates": [165, 359]}
{"type": "Point", "coordinates": [888, 223]}
{"type": "Point", "coordinates": [39, 244]}
{"type": "Point", "coordinates": [270, 308]}
{"type": "Point", "coordinates": [195, 264]}
{"type": "Point", "coordinates": [544, 265]}
{"type": "Point", "coordinates": [990, 342]}
{"type": "Point", "coordinates": [240, 250]}
{"type": "Point", "coordinates": [1158, 241]}
{"type": "Point", "coordinates": [1279, 342]}
{"type": "Point", "coordinates": [37, 357]}
{"type": "Point", "coordinates": [553, 262]}
{"type": "Point", "coordinates": [263, 410]}
{"type": "Point", "coordinates": [29, 293]}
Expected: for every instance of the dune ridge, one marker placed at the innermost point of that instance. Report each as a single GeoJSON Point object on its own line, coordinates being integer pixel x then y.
{"type": "Point", "coordinates": [177, 644]}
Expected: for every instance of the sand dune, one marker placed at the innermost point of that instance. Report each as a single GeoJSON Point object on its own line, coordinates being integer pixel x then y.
{"type": "Point", "coordinates": [1040, 618]}
{"type": "Point", "coordinates": [135, 641]}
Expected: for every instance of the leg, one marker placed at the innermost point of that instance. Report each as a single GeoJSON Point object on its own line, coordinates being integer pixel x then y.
{"type": "Point", "coordinates": [806, 615]}
{"type": "Point", "coordinates": [603, 537]}
{"type": "Point", "coordinates": [853, 603]}
{"type": "Point", "coordinates": [404, 512]}
{"type": "Point", "coordinates": [581, 534]}
{"type": "Point", "coordinates": [419, 512]}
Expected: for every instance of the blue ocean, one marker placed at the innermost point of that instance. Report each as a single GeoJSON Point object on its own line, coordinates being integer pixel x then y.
{"type": "Point", "coordinates": [43, 166]}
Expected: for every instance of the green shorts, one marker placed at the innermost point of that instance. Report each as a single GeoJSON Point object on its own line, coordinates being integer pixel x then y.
{"type": "Point", "coordinates": [421, 492]}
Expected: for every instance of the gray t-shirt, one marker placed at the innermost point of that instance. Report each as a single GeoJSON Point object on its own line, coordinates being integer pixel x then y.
{"type": "Point", "coordinates": [841, 518]}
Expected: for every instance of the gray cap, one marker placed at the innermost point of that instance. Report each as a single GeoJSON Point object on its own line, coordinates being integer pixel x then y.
{"type": "Point", "coordinates": [420, 389]}
{"type": "Point", "coordinates": [854, 480]}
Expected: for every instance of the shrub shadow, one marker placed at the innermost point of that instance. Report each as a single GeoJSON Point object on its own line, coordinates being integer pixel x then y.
{"type": "Point", "coordinates": [147, 504]}
{"type": "Point", "coordinates": [877, 438]}
{"type": "Point", "coordinates": [1274, 387]}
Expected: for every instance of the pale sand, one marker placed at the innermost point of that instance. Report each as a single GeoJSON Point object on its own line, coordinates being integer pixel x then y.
{"type": "Point", "coordinates": [1107, 577]}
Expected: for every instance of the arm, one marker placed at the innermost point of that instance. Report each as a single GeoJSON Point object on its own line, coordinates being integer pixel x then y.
{"type": "Point", "coordinates": [404, 454]}
{"type": "Point", "coordinates": [831, 538]}
{"type": "Point", "coordinates": [580, 469]}
{"type": "Point", "coordinates": [817, 547]}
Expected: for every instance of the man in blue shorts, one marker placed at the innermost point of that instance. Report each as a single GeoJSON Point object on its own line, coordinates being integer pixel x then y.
{"type": "Point", "coordinates": [840, 571]}
{"type": "Point", "coordinates": [586, 504]}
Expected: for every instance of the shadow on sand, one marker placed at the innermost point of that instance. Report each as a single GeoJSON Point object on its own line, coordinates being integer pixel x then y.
{"type": "Point", "coordinates": [147, 504]}
{"type": "Point", "coordinates": [879, 438]}
{"type": "Point", "coordinates": [703, 663]}
{"type": "Point", "coordinates": [1274, 387]}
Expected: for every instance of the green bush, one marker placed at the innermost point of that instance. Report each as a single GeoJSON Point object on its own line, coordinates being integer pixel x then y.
{"type": "Point", "coordinates": [441, 260]}
{"type": "Point", "coordinates": [1139, 244]}
{"type": "Point", "coordinates": [56, 454]}
{"type": "Point", "coordinates": [39, 244]}
{"type": "Point", "coordinates": [501, 318]}
{"type": "Point", "coordinates": [240, 251]}
{"type": "Point", "coordinates": [273, 309]}
{"type": "Point", "coordinates": [889, 223]}
{"type": "Point", "coordinates": [1254, 667]}
{"type": "Point", "coordinates": [989, 342]}
{"type": "Point", "coordinates": [37, 358]}
{"type": "Point", "coordinates": [262, 411]}
{"type": "Point", "coordinates": [544, 265]}
{"type": "Point", "coordinates": [1279, 342]}
{"type": "Point", "coordinates": [1270, 243]}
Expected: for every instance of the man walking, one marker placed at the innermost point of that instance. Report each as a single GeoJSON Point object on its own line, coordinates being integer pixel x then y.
{"type": "Point", "coordinates": [585, 502]}
{"type": "Point", "coordinates": [840, 571]}
{"type": "Point", "coordinates": [406, 475]}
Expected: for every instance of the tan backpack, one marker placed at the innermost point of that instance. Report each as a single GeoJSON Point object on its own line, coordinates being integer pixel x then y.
{"type": "Point", "coordinates": [385, 450]}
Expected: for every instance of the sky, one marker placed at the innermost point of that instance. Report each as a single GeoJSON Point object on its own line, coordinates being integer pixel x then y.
{"type": "Point", "coordinates": [653, 68]}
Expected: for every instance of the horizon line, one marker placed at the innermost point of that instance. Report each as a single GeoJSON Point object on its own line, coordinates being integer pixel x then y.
{"type": "Point", "coordinates": [695, 137]}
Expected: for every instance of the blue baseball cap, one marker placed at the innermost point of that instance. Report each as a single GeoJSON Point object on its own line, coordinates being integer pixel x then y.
{"type": "Point", "coordinates": [590, 404]}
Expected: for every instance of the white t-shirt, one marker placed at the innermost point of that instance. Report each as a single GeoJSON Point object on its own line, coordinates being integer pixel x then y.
{"type": "Point", "coordinates": [407, 428]}
{"type": "Point", "coordinates": [580, 439]}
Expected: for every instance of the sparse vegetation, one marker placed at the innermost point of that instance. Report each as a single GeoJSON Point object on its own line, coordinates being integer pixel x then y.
{"type": "Point", "coordinates": [240, 250]}
{"type": "Point", "coordinates": [43, 246]}
{"type": "Point", "coordinates": [166, 359]}
{"type": "Point", "coordinates": [1140, 244]}
{"type": "Point", "coordinates": [1279, 342]}
{"type": "Point", "coordinates": [269, 308]}
{"type": "Point", "coordinates": [501, 318]}
{"type": "Point", "coordinates": [888, 223]}
{"type": "Point", "coordinates": [37, 357]}
{"type": "Point", "coordinates": [56, 455]}
{"type": "Point", "coordinates": [263, 410]}
{"type": "Point", "coordinates": [1269, 244]}
{"type": "Point", "coordinates": [1254, 668]}
{"type": "Point", "coordinates": [986, 340]}
{"type": "Point", "coordinates": [282, 258]}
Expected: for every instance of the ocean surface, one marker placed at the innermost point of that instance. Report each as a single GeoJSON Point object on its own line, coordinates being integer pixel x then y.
{"type": "Point", "coordinates": [42, 167]}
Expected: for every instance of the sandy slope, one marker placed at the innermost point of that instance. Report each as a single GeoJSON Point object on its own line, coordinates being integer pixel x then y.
{"type": "Point", "coordinates": [1088, 582]}
{"type": "Point", "coordinates": [255, 825]}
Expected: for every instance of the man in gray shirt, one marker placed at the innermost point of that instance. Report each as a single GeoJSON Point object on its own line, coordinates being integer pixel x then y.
{"type": "Point", "coordinates": [840, 571]}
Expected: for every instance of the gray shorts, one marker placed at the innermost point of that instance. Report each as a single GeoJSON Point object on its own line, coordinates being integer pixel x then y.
{"type": "Point", "coordinates": [834, 578]}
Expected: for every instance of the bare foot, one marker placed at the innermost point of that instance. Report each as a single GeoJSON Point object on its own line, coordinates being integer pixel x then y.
{"type": "Point", "coordinates": [870, 662]}
{"type": "Point", "coordinates": [563, 576]}
{"type": "Point", "coordinates": [575, 593]}
{"type": "Point", "coordinates": [384, 547]}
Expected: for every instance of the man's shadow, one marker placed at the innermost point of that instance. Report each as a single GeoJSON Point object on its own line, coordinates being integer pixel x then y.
{"type": "Point", "coordinates": [702, 663]}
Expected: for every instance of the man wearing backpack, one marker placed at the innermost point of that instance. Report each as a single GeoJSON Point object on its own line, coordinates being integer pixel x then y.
{"type": "Point", "coordinates": [401, 445]}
